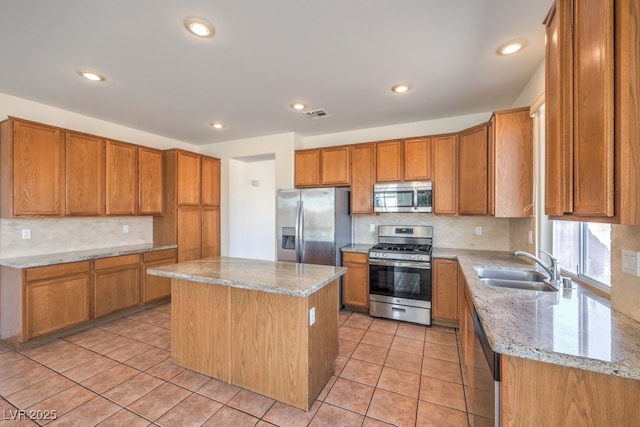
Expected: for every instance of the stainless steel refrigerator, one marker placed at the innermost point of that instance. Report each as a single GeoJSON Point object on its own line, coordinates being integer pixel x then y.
{"type": "Point", "coordinates": [312, 225]}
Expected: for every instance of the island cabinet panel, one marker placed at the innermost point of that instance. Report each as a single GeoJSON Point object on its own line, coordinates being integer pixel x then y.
{"type": "Point", "coordinates": [84, 174]}
{"type": "Point", "coordinates": [189, 178]}
{"type": "Point", "coordinates": [445, 292]}
{"type": "Point", "coordinates": [307, 168]}
{"type": "Point", "coordinates": [445, 154]}
{"type": "Point", "coordinates": [472, 171]}
{"type": "Point", "coordinates": [32, 169]}
{"type": "Point", "coordinates": [355, 285]}
{"type": "Point", "coordinates": [150, 188]}
{"type": "Point", "coordinates": [335, 166]}
{"type": "Point", "coordinates": [363, 169]}
{"type": "Point", "coordinates": [389, 161]}
{"type": "Point", "coordinates": [200, 328]}
{"type": "Point", "coordinates": [210, 181]}
{"type": "Point", "coordinates": [538, 393]}
{"type": "Point", "coordinates": [116, 284]}
{"type": "Point", "coordinates": [417, 159]}
{"type": "Point", "coordinates": [121, 178]}
{"type": "Point", "coordinates": [156, 287]}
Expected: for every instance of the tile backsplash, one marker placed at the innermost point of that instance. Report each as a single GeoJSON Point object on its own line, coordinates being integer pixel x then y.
{"type": "Point", "coordinates": [69, 234]}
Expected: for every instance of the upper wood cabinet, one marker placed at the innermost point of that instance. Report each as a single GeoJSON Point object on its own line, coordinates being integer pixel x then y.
{"type": "Point", "coordinates": [511, 163]}
{"type": "Point", "coordinates": [210, 232]}
{"type": "Point", "coordinates": [363, 164]}
{"type": "Point", "coordinates": [445, 160]}
{"type": "Point", "coordinates": [472, 171]}
{"type": "Point", "coordinates": [335, 165]}
{"type": "Point", "coordinates": [389, 161]}
{"type": "Point", "coordinates": [84, 174]}
{"type": "Point", "coordinates": [32, 165]}
{"type": "Point", "coordinates": [307, 168]}
{"type": "Point", "coordinates": [150, 188]}
{"type": "Point", "coordinates": [210, 181]}
{"type": "Point", "coordinates": [121, 178]}
{"type": "Point", "coordinates": [417, 159]}
{"type": "Point", "coordinates": [189, 178]}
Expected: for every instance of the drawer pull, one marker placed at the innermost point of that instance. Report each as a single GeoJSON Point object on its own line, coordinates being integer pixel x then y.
{"type": "Point", "coordinates": [398, 309]}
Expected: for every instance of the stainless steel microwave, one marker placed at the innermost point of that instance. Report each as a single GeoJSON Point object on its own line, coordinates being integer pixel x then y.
{"type": "Point", "coordinates": [403, 197]}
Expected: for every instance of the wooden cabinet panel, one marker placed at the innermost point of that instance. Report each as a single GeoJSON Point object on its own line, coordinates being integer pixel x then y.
{"type": "Point", "coordinates": [57, 270]}
{"type": "Point", "coordinates": [32, 168]}
{"type": "Point", "coordinates": [445, 154]}
{"type": "Point", "coordinates": [51, 305]}
{"type": "Point", "coordinates": [355, 284]}
{"type": "Point", "coordinates": [335, 165]}
{"type": "Point", "coordinates": [84, 174]}
{"type": "Point", "coordinates": [363, 163]}
{"type": "Point", "coordinates": [189, 234]}
{"type": "Point", "coordinates": [307, 168]}
{"type": "Point", "coordinates": [210, 232]}
{"type": "Point", "coordinates": [389, 161]}
{"type": "Point", "coordinates": [121, 178]}
{"type": "Point", "coordinates": [150, 185]}
{"type": "Point", "coordinates": [116, 289]}
{"type": "Point", "coordinates": [189, 178]}
{"type": "Point", "coordinates": [445, 290]}
{"type": "Point", "coordinates": [210, 181]}
{"type": "Point", "coordinates": [417, 159]}
{"type": "Point", "coordinates": [156, 287]}
{"type": "Point", "coordinates": [472, 171]}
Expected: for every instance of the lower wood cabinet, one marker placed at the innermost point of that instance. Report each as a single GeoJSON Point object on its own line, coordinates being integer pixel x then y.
{"type": "Point", "coordinates": [117, 284]}
{"type": "Point", "coordinates": [156, 287]}
{"type": "Point", "coordinates": [355, 284]}
{"type": "Point", "coordinates": [445, 292]}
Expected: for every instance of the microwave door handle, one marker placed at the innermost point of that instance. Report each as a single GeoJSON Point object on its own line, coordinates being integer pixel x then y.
{"type": "Point", "coordinates": [415, 199]}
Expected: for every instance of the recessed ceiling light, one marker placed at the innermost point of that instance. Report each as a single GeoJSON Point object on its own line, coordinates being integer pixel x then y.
{"type": "Point", "coordinates": [199, 27]}
{"type": "Point", "coordinates": [90, 75]}
{"type": "Point", "coordinates": [217, 125]}
{"type": "Point", "coordinates": [401, 88]}
{"type": "Point", "coordinates": [298, 106]}
{"type": "Point", "coordinates": [511, 47]}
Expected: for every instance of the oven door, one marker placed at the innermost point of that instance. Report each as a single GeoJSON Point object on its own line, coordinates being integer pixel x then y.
{"type": "Point", "coordinates": [399, 279]}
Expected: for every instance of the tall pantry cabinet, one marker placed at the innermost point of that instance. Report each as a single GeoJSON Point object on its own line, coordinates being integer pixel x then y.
{"type": "Point", "coordinates": [191, 205]}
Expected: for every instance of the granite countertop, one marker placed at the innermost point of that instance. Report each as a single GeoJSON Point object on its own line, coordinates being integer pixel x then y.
{"type": "Point", "coordinates": [362, 248]}
{"type": "Point", "coordinates": [278, 277]}
{"type": "Point", "coordinates": [83, 255]}
{"type": "Point", "coordinates": [572, 327]}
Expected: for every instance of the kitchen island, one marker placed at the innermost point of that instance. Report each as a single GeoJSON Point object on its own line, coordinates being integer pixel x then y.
{"type": "Point", "coordinates": [269, 327]}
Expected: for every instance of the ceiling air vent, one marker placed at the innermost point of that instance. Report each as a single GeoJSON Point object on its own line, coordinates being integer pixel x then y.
{"type": "Point", "coordinates": [317, 114]}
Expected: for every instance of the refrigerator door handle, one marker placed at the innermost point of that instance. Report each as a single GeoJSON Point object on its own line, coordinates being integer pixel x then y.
{"type": "Point", "coordinates": [297, 238]}
{"type": "Point", "coordinates": [302, 255]}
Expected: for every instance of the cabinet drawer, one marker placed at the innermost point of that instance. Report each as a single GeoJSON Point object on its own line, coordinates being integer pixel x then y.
{"type": "Point", "coordinates": [117, 261]}
{"type": "Point", "coordinates": [156, 255]}
{"type": "Point", "coordinates": [355, 257]}
{"type": "Point", "coordinates": [51, 271]}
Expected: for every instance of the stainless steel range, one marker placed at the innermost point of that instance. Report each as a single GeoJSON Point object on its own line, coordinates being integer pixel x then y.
{"type": "Point", "coordinates": [400, 273]}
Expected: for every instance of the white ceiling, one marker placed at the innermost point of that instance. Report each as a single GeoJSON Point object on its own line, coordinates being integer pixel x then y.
{"type": "Point", "coordinates": [340, 55]}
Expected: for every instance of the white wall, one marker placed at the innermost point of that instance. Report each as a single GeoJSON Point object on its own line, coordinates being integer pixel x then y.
{"type": "Point", "coordinates": [534, 88]}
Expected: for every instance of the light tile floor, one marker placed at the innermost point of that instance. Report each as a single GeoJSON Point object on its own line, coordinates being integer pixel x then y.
{"type": "Point", "coordinates": [120, 374]}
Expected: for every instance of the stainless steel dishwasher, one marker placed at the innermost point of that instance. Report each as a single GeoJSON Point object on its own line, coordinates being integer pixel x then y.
{"type": "Point", "coordinates": [485, 409]}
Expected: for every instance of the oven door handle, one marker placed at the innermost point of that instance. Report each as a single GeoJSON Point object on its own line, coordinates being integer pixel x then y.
{"type": "Point", "coordinates": [418, 265]}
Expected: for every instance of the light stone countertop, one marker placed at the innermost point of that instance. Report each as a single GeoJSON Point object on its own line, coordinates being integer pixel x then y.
{"type": "Point", "coordinates": [82, 255]}
{"type": "Point", "coordinates": [361, 248]}
{"type": "Point", "coordinates": [279, 277]}
{"type": "Point", "coordinates": [571, 327]}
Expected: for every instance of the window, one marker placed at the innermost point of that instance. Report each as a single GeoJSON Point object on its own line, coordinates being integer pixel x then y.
{"type": "Point", "coordinates": [584, 249]}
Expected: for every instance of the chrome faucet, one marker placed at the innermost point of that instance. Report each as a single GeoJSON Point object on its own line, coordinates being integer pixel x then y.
{"type": "Point", "coordinates": [553, 269]}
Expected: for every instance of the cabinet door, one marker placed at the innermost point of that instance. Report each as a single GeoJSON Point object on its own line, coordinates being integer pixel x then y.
{"type": "Point", "coordinates": [116, 289]}
{"type": "Point", "coordinates": [84, 174]}
{"type": "Point", "coordinates": [189, 179]}
{"type": "Point", "coordinates": [593, 107]}
{"type": "Point", "coordinates": [150, 184]}
{"type": "Point", "coordinates": [445, 153]}
{"type": "Point", "coordinates": [156, 287]}
{"type": "Point", "coordinates": [189, 234]}
{"type": "Point", "coordinates": [472, 171]}
{"type": "Point", "coordinates": [335, 166]}
{"type": "Point", "coordinates": [307, 168]}
{"type": "Point", "coordinates": [121, 178]}
{"type": "Point", "coordinates": [363, 163]}
{"type": "Point", "coordinates": [38, 170]}
{"type": "Point", "coordinates": [417, 159]}
{"type": "Point", "coordinates": [445, 289]}
{"type": "Point", "coordinates": [52, 305]}
{"type": "Point", "coordinates": [389, 161]}
{"type": "Point", "coordinates": [355, 285]}
{"type": "Point", "coordinates": [210, 232]}
{"type": "Point", "coordinates": [210, 181]}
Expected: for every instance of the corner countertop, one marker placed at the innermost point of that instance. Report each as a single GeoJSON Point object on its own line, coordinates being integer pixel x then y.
{"type": "Point", "coordinates": [289, 278]}
{"type": "Point", "coordinates": [83, 255]}
{"type": "Point", "coordinates": [361, 248]}
{"type": "Point", "coordinates": [572, 327]}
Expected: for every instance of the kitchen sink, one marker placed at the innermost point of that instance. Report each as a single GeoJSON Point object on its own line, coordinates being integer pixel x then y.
{"type": "Point", "coordinates": [510, 274]}
{"type": "Point", "coordinates": [518, 284]}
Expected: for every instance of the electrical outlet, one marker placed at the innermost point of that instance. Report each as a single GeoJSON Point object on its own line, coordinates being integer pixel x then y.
{"type": "Point", "coordinates": [372, 227]}
{"type": "Point", "coordinates": [26, 234]}
{"type": "Point", "coordinates": [312, 316]}
{"type": "Point", "coordinates": [630, 262]}
{"type": "Point", "coordinates": [478, 231]}
{"type": "Point", "coordinates": [530, 237]}
{"type": "Point", "coordinates": [125, 228]}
